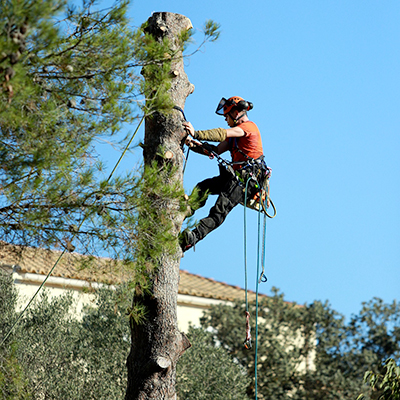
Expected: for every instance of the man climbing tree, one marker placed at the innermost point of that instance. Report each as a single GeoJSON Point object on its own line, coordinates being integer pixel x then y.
{"type": "Point", "coordinates": [243, 140]}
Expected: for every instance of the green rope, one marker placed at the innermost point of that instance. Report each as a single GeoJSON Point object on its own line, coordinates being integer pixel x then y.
{"type": "Point", "coordinates": [126, 148]}
{"type": "Point", "coordinates": [245, 243]}
{"type": "Point", "coordinates": [260, 276]}
{"type": "Point", "coordinates": [257, 283]}
{"type": "Point", "coordinates": [72, 238]}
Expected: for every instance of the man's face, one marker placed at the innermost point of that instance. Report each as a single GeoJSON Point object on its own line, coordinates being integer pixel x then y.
{"type": "Point", "coordinates": [229, 120]}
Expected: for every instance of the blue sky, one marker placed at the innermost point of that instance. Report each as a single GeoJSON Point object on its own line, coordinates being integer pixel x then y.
{"type": "Point", "coordinates": [324, 80]}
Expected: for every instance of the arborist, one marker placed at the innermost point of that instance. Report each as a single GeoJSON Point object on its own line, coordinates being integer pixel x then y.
{"type": "Point", "coordinates": [243, 140]}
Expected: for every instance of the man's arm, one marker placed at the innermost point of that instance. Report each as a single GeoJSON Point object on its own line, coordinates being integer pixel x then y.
{"type": "Point", "coordinates": [222, 147]}
{"type": "Point", "coordinates": [195, 146]}
{"type": "Point", "coordinates": [235, 132]}
{"type": "Point", "coordinates": [215, 135]}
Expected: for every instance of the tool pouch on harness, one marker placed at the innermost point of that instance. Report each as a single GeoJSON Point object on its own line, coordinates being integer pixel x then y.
{"type": "Point", "coordinates": [259, 175]}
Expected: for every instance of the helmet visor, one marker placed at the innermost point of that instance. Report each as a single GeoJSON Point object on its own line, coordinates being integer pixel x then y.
{"type": "Point", "coordinates": [221, 105]}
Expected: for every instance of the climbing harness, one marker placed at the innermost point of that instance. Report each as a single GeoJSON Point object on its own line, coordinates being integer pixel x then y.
{"type": "Point", "coordinates": [260, 173]}
{"type": "Point", "coordinates": [254, 169]}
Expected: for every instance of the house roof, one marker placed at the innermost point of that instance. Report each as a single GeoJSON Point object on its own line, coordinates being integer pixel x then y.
{"type": "Point", "coordinates": [24, 259]}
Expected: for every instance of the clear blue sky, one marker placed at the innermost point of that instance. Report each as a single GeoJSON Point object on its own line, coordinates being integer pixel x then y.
{"type": "Point", "coordinates": [324, 80]}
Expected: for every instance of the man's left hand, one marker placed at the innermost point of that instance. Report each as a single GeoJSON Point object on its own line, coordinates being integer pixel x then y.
{"type": "Point", "coordinates": [188, 128]}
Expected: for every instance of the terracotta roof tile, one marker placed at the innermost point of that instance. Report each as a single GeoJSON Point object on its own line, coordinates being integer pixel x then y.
{"type": "Point", "coordinates": [102, 270]}
{"type": "Point", "coordinates": [197, 285]}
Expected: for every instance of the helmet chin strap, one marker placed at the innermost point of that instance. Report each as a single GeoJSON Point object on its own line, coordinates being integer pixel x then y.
{"type": "Point", "coordinates": [235, 120]}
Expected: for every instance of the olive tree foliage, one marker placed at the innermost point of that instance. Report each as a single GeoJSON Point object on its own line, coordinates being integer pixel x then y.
{"type": "Point", "coordinates": [206, 371]}
{"type": "Point", "coordinates": [310, 351]}
{"type": "Point", "coordinates": [13, 383]}
{"type": "Point", "coordinates": [60, 356]}
{"type": "Point", "coordinates": [54, 355]}
{"type": "Point", "coordinates": [385, 385]}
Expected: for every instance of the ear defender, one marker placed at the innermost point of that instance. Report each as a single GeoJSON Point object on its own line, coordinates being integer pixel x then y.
{"type": "Point", "coordinates": [244, 105]}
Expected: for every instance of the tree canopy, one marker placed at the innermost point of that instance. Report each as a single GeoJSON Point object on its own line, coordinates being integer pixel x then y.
{"type": "Point", "coordinates": [56, 355]}
{"type": "Point", "coordinates": [71, 77]}
{"type": "Point", "coordinates": [309, 351]}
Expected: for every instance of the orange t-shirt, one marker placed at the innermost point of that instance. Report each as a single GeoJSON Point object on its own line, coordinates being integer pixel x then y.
{"type": "Point", "coordinates": [249, 144]}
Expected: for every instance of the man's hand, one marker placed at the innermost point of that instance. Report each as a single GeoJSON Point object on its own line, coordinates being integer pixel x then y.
{"type": "Point", "coordinates": [190, 142]}
{"type": "Point", "coordinates": [188, 128]}
{"type": "Point", "coordinates": [209, 149]}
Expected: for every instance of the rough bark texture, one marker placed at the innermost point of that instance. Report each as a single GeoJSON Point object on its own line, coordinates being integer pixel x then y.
{"type": "Point", "coordinates": [157, 344]}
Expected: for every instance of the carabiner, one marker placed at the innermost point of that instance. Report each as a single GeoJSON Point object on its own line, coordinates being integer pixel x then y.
{"type": "Point", "coordinates": [247, 344]}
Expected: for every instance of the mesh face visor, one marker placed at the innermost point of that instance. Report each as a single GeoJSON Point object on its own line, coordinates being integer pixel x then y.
{"type": "Point", "coordinates": [223, 104]}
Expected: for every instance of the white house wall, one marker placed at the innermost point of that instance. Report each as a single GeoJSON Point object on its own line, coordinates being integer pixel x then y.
{"type": "Point", "coordinates": [190, 308]}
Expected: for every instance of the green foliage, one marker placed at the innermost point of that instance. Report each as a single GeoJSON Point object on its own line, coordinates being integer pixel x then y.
{"type": "Point", "coordinates": [71, 85]}
{"type": "Point", "coordinates": [309, 351]}
{"type": "Point", "coordinates": [13, 384]}
{"type": "Point", "coordinates": [69, 77]}
{"type": "Point", "coordinates": [303, 351]}
{"type": "Point", "coordinates": [156, 57]}
{"type": "Point", "coordinates": [386, 386]}
{"type": "Point", "coordinates": [8, 301]}
{"type": "Point", "coordinates": [161, 199]}
{"type": "Point", "coordinates": [158, 191]}
{"type": "Point", "coordinates": [56, 355]}
{"type": "Point", "coordinates": [211, 30]}
{"type": "Point", "coordinates": [208, 372]}
{"type": "Point", "coordinates": [280, 354]}
{"type": "Point", "coordinates": [375, 332]}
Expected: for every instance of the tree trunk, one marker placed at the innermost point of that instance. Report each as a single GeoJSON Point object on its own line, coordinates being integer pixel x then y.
{"type": "Point", "coordinates": [157, 344]}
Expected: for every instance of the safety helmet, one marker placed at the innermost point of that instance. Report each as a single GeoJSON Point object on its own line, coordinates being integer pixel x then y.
{"type": "Point", "coordinates": [235, 102]}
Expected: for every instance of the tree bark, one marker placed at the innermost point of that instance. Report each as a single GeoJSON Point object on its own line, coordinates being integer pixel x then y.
{"type": "Point", "coordinates": [157, 344]}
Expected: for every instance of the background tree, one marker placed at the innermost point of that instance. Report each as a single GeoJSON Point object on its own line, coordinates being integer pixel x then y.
{"type": "Point", "coordinates": [283, 352]}
{"type": "Point", "coordinates": [13, 383]}
{"type": "Point", "coordinates": [386, 386]}
{"type": "Point", "coordinates": [208, 372]}
{"type": "Point", "coordinates": [309, 351]}
{"type": "Point", "coordinates": [69, 78]}
{"type": "Point", "coordinates": [57, 356]}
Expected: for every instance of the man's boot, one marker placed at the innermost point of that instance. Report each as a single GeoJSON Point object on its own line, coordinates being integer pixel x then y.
{"type": "Point", "coordinates": [187, 239]}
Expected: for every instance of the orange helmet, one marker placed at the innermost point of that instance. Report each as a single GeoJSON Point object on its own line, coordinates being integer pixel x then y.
{"type": "Point", "coordinates": [225, 106]}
